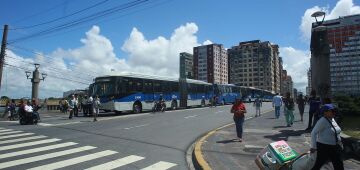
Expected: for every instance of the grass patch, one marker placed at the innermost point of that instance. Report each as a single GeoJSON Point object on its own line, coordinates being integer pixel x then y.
{"type": "Point", "coordinates": [351, 126]}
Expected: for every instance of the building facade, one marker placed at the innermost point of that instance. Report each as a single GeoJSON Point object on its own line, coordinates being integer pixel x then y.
{"type": "Point", "coordinates": [186, 65]}
{"type": "Point", "coordinates": [211, 64]}
{"type": "Point", "coordinates": [341, 38]}
{"type": "Point", "coordinates": [255, 64]}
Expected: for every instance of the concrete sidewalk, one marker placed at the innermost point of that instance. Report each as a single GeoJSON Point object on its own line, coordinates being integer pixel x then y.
{"type": "Point", "coordinates": [218, 150]}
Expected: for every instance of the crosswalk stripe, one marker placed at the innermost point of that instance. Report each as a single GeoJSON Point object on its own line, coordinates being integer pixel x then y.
{"type": "Point", "coordinates": [3, 148]}
{"type": "Point", "coordinates": [11, 132]}
{"type": "Point", "coordinates": [117, 163]}
{"type": "Point", "coordinates": [160, 166]}
{"type": "Point", "coordinates": [17, 135]}
{"type": "Point", "coordinates": [44, 157]}
{"type": "Point", "coordinates": [74, 161]}
{"type": "Point", "coordinates": [29, 151]}
{"type": "Point", "coordinates": [21, 139]}
{"type": "Point", "coordinates": [6, 130]}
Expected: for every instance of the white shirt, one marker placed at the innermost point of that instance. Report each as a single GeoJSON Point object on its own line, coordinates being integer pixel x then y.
{"type": "Point", "coordinates": [324, 133]}
{"type": "Point", "coordinates": [28, 108]}
{"type": "Point", "coordinates": [277, 101]}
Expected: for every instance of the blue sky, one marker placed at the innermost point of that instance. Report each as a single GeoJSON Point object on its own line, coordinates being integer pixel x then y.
{"type": "Point", "coordinates": [129, 40]}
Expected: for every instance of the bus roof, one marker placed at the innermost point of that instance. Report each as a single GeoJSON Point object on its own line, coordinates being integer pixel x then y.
{"type": "Point", "coordinates": [152, 77]}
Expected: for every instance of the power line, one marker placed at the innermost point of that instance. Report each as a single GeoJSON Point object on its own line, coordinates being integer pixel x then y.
{"type": "Point", "coordinates": [66, 16]}
{"type": "Point", "coordinates": [22, 68]}
{"type": "Point", "coordinates": [46, 56]}
{"type": "Point", "coordinates": [82, 20]}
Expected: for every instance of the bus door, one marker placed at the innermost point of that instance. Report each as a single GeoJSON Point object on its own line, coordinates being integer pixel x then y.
{"type": "Point", "coordinates": [148, 91]}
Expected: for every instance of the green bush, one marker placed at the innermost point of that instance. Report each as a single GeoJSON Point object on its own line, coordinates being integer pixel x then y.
{"type": "Point", "coordinates": [348, 105]}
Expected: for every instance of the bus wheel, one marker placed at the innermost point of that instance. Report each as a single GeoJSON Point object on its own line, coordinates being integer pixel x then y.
{"type": "Point", "coordinates": [173, 105]}
{"type": "Point", "coordinates": [137, 108]}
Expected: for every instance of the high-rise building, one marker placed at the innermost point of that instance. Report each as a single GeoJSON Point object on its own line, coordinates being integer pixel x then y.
{"type": "Point", "coordinates": [186, 65]}
{"type": "Point", "coordinates": [336, 55]}
{"type": "Point", "coordinates": [255, 64]}
{"type": "Point", "coordinates": [308, 88]}
{"type": "Point", "coordinates": [211, 64]}
{"type": "Point", "coordinates": [280, 73]}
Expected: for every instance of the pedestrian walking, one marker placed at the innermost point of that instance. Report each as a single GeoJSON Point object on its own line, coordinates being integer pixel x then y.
{"type": "Point", "coordinates": [289, 109]}
{"type": "Point", "coordinates": [258, 105]}
{"type": "Point", "coordinates": [84, 106]}
{"type": "Point", "coordinates": [301, 105]}
{"type": "Point", "coordinates": [239, 110]}
{"type": "Point", "coordinates": [71, 106]}
{"type": "Point", "coordinates": [314, 109]}
{"type": "Point", "coordinates": [90, 106]}
{"type": "Point", "coordinates": [76, 105]}
{"type": "Point", "coordinates": [12, 110]}
{"type": "Point", "coordinates": [96, 106]}
{"type": "Point", "coordinates": [277, 103]}
{"type": "Point", "coordinates": [326, 140]}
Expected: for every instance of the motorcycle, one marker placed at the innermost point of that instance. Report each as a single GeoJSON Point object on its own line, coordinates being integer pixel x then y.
{"type": "Point", "coordinates": [159, 106]}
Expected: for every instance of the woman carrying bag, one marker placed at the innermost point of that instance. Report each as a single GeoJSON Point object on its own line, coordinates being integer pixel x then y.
{"type": "Point", "coordinates": [326, 140]}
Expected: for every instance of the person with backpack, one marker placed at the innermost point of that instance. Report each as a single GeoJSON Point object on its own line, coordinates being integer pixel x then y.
{"type": "Point", "coordinates": [289, 109]}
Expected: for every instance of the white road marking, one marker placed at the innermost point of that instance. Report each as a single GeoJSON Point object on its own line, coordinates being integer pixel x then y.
{"type": "Point", "coordinates": [4, 148]}
{"type": "Point", "coordinates": [117, 163]}
{"type": "Point", "coordinates": [45, 148]}
{"type": "Point", "coordinates": [187, 117]}
{"type": "Point", "coordinates": [58, 124]}
{"type": "Point", "coordinates": [69, 162]}
{"type": "Point", "coordinates": [6, 130]}
{"type": "Point", "coordinates": [136, 126]}
{"type": "Point", "coordinates": [21, 139]}
{"type": "Point", "coordinates": [17, 135]}
{"type": "Point", "coordinates": [11, 132]}
{"type": "Point", "coordinates": [44, 157]}
{"type": "Point", "coordinates": [160, 166]}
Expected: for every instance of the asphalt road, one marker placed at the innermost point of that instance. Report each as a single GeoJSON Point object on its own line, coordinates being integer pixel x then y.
{"type": "Point", "coordinates": [141, 141]}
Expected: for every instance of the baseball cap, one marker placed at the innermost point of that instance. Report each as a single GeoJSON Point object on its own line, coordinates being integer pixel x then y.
{"type": "Point", "coordinates": [328, 107]}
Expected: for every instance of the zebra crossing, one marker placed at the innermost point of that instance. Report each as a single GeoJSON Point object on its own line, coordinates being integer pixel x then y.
{"type": "Point", "coordinates": [20, 149]}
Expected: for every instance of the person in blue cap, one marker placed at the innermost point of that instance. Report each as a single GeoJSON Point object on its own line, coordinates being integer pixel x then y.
{"type": "Point", "coordinates": [326, 140]}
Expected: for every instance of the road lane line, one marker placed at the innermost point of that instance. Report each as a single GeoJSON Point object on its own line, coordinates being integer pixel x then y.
{"type": "Point", "coordinates": [136, 126]}
{"type": "Point", "coordinates": [69, 162]}
{"type": "Point", "coordinates": [117, 163]}
{"type": "Point", "coordinates": [160, 166]}
{"type": "Point", "coordinates": [6, 130]}
{"type": "Point", "coordinates": [44, 157]}
{"type": "Point", "coordinates": [17, 135]}
{"type": "Point", "coordinates": [187, 117]}
{"type": "Point", "coordinates": [7, 133]}
{"type": "Point", "coordinates": [45, 148]}
{"type": "Point", "coordinates": [21, 139]}
{"type": "Point", "coordinates": [4, 148]}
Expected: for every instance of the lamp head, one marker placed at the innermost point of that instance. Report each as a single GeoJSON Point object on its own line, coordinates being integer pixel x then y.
{"type": "Point", "coordinates": [27, 74]}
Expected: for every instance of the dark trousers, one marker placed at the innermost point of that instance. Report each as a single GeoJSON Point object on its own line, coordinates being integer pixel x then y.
{"type": "Point", "coordinates": [239, 121]}
{"type": "Point", "coordinates": [71, 113]}
{"type": "Point", "coordinates": [85, 109]}
{"type": "Point", "coordinates": [311, 115]}
{"type": "Point", "coordinates": [76, 110]}
{"type": "Point", "coordinates": [326, 153]}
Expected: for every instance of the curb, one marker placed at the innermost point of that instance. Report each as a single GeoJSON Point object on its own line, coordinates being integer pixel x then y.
{"type": "Point", "coordinates": [198, 156]}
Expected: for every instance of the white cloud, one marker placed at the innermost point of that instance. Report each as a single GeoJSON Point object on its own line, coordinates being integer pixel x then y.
{"type": "Point", "coordinates": [342, 8]}
{"type": "Point", "coordinates": [207, 42]}
{"type": "Point", "coordinates": [95, 57]}
{"type": "Point", "coordinates": [296, 63]}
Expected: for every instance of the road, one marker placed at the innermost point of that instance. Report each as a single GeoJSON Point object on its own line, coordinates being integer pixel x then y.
{"type": "Point", "coordinates": [141, 141]}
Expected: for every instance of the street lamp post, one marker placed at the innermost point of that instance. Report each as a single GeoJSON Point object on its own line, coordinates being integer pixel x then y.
{"type": "Point", "coordinates": [35, 80]}
{"type": "Point", "coordinates": [320, 53]}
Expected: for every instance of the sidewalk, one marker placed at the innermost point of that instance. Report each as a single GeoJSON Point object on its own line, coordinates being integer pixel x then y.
{"type": "Point", "coordinates": [220, 152]}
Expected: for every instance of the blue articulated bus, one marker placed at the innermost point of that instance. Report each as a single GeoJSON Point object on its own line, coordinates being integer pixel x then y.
{"type": "Point", "coordinates": [136, 92]}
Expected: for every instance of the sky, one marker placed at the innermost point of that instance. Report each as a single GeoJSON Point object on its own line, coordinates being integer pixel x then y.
{"type": "Point", "coordinates": [77, 40]}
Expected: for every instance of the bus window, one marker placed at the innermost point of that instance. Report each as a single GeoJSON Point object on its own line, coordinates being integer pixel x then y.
{"type": "Point", "coordinates": [165, 87]}
{"type": "Point", "coordinates": [148, 86]}
{"type": "Point", "coordinates": [174, 86]}
{"type": "Point", "coordinates": [157, 87]}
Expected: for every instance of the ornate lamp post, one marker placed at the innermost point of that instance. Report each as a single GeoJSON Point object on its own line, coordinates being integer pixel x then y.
{"type": "Point", "coordinates": [35, 80]}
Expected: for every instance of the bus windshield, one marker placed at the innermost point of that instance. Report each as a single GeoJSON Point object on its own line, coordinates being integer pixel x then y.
{"type": "Point", "coordinates": [104, 89]}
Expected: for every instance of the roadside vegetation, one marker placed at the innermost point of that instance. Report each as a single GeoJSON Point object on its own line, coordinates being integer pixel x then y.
{"type": "Point", "coordinates": [349, 108]}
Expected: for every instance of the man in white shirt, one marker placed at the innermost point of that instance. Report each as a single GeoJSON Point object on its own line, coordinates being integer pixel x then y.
{"type": "Point", "coordinates": [277, 103]}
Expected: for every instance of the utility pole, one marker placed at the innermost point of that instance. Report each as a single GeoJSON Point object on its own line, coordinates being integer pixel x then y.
{"type": "Point", "coordinates": [35, 80]}
{"type": "Point", "coordinates": [2, 54]}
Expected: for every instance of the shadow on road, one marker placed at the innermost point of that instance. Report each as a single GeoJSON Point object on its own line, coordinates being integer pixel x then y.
{"type": "Point", "coordinates": [285, 134]}
{"type": "Point", "coordinates": [228, 141]}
